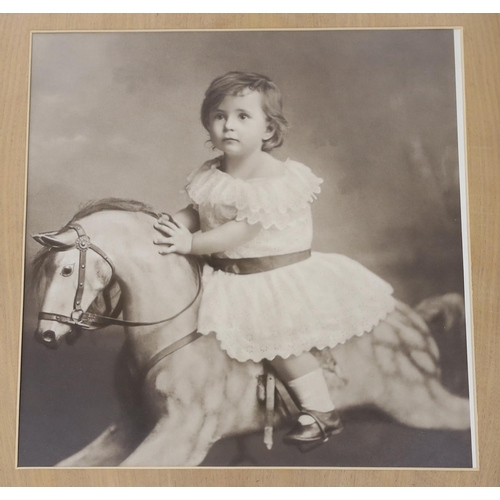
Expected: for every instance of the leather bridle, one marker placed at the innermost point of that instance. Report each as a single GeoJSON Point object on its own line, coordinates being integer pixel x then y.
{"type": "Point", "coordinates": [92, 321]}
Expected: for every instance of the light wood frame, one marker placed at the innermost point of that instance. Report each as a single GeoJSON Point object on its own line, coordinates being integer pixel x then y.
{"type": "Point", "coordinates": [481, 35]}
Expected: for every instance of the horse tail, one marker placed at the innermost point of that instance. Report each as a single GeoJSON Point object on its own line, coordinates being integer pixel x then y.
{"type": "Point", "coordinates": [445, 316]}
{"type": "Point", "coordinates": [444, 313]}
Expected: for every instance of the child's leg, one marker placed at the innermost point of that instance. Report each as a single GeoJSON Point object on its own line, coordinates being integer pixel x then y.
{"type": "Point", "coordinates": [305, 378]}
{"type": "Point", "coordinates": [319, 418]}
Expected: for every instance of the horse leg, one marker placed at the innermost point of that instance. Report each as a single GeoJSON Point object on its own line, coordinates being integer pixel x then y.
{"type": "Point", "coordinates": [182, 438]}
{"type": "Point", "coordinates": [110, 448]}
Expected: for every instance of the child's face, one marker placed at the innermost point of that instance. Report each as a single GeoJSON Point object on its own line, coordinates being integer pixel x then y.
{"type": "Point", "coordinates": [239, 125]}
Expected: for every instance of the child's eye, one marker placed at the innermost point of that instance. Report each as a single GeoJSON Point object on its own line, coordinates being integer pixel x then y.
{"type": "Point", "coordinates": [219, 116]}
{"type": "Point", "coordinates": [243, 116]}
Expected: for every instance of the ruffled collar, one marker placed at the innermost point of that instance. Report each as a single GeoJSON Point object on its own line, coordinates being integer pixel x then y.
{"type": "Point", "coordinates": [292, 190]}
{"type": "Point", "coordinates": [216, 164]}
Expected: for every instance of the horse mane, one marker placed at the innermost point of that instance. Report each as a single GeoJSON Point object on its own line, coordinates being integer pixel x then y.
{"type": "Point", "coordinates": [105, 204]}
{"type": "Point", "coordinates": [92, 207]}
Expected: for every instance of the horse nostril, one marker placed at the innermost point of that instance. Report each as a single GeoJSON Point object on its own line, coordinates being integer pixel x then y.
{"type": "Point", "coordinates": [48, 336]}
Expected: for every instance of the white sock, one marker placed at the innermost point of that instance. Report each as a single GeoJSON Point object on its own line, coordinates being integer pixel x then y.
{"type": "Point", "coordinates": [312, 392]}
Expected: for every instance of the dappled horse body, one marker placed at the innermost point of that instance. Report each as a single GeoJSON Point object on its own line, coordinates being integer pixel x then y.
{"type": "Point", "coordinates": [183, 399]}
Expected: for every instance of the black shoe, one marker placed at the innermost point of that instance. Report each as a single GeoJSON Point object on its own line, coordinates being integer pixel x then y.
{"type": "Point", "coordinates": [326, 424]}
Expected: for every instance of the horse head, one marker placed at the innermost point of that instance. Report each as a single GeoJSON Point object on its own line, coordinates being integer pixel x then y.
{"type": "Point", "coordinates": [74, 277]}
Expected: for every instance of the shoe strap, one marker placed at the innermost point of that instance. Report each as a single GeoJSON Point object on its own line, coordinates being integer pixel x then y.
{"type": "Point", "coordinates": [321, 425]}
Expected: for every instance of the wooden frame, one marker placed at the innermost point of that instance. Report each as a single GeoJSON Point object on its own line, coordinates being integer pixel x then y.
{"type": "Point", "coordinates": [482, 69]}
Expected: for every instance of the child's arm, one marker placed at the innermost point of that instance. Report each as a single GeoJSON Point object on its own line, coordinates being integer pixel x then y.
{"type": "Point", "coordinates": [189, 217]}
{"type": "Point", "coordinates": [232, 234]}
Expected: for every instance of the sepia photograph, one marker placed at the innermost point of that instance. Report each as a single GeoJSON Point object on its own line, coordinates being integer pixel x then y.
{"type": "Point", "coordinates": [247, 248]}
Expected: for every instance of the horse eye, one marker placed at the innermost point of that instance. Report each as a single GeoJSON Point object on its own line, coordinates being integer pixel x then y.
{"type": "Point", "coordinates": [67, 271]}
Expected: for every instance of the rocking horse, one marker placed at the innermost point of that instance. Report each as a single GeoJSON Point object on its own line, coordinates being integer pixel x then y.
{"type": "Point", "coordinates": [183, 392]}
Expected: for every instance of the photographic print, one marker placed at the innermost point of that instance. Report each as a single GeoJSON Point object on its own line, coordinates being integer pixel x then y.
{"type": "Point", "coordinates": [247, 249]}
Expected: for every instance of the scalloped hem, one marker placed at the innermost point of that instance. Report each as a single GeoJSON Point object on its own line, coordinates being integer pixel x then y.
{"type": "Point", "coordinates": [240, 354]}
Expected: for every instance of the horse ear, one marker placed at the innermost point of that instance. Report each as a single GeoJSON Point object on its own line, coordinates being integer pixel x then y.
{"type": "Point", "coordinates": [54, 240]}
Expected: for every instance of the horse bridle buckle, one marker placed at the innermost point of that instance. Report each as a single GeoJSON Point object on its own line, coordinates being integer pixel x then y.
{"type": "Point", "coordinates": [74, 312]}
{"type": "Point", "coordinates": [82, 243]}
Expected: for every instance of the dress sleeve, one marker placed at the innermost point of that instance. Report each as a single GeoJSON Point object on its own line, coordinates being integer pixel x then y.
{"type": "Point", "coordinates": [195, 182]}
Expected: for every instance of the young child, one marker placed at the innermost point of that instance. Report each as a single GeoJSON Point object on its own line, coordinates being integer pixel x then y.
{"type": "Point", "coordinates": [266, 296]}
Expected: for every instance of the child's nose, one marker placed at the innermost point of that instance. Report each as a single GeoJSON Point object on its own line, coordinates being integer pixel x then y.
{"type": "Point", "coordinates": [228, 124]}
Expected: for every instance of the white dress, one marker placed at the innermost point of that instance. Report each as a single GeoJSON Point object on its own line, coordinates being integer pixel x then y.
{"type": "Point", "coordinates": [319, 302]}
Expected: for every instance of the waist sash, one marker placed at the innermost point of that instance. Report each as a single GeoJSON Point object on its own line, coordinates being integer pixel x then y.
{"type": "Point", "coordinates": [253, 265]}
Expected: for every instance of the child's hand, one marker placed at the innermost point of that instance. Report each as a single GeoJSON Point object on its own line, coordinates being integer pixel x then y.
{"type": "Point", "coordinates": [175, 238]}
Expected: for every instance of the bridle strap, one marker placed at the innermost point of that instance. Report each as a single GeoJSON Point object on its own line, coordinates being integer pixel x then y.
{"type": "Point", "coordinates": [179, 344]}
{"type": "Point", "coordinates": [96, 321]}
{"type": "Point", "coordinates": [83, 243]}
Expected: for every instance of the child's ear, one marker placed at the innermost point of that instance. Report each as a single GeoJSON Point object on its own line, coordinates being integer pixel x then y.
{"type": "Point", "coordinates": [271, 128]}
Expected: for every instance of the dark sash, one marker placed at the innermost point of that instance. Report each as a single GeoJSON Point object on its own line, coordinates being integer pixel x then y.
{"type": "Point", "coordinates": [252, 265]}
